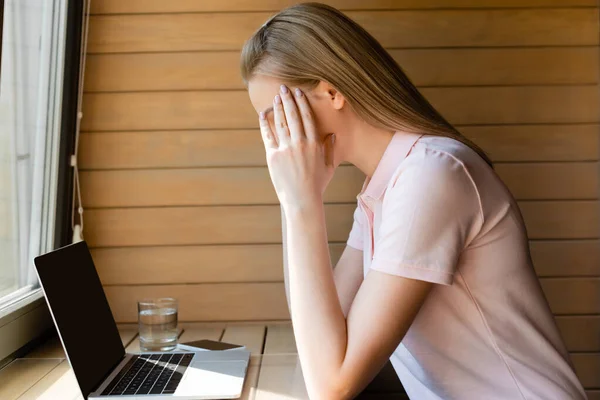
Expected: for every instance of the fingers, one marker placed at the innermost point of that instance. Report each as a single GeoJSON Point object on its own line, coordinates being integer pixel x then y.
{"type": "Point", "coordinates": [283, 132]}
{"type": "Point", "coordinates": [308, 120]}
{"type": "Point", "coordinates": [266, 133]}
{"type": "Point", "coordinates": [292, 116]}
{"type": "Point", "coordinates": [293, 119]}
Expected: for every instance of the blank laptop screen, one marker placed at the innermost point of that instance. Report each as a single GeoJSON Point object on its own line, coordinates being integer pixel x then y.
{"type": "Point", "coordinates": [81, 313]}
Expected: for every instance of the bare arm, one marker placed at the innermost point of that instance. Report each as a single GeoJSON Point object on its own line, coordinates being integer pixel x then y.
{"type": "Point", "coordinates": [347, 274]}
{"type": "Point", "coordinates": [286, 274]}
{"type": "Point", "coordinates": [343, 342]}
{"type": "Point", "coordinates": [339, 355]}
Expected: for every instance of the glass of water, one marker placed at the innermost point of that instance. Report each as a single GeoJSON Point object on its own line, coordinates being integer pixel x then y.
{"type": "Point", "coordinates": [157, 320]}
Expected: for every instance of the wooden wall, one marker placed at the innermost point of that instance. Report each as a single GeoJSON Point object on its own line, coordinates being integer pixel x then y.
{"type": "Point", "coordinates": [178, 199]}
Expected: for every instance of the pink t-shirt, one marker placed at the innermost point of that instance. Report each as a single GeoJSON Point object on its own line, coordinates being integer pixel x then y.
{"type": "Point", "coordinates": [435, 211]}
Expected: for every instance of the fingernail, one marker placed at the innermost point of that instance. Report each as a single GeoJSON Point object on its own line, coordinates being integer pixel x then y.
{"type": "Point", "coordinates": [278, 99]}
{"type": "Point", "coordinates": [284, 89]}
{"type": "Point", "coordinates": [261, 115]}
{"type": "Point", "coordinates": [298, 92]}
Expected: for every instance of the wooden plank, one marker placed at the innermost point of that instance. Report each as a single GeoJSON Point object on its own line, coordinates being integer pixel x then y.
{"type": "Point", "coordinates": [193, 264]}
{"type": "Point", "coordinates": [566, 258]}
{"type": "Point", "coordinates": [593, 394]}
{"type": "Point", "coordinates": [205, 302]}
{"type": "Point", "coordinates": [242, 148]}
{"type": "Point", "coordinates": [580, 333]}
{"type": "Point", "coordinates": [262, 262]}
{"type": "Point", "coordinates": [537, 142]}
{"type": "Point", "coordinates": [212, 186]}
{"type": "Point", "coordinates": [261, 224]}
{"type": "Point", "coordinates": [490, 66]}
{"type": "Point", "coordinates": [127, 333]}
{"type": "Point", "coordinates": [159, 6]}
{"type": "Point", "coordinates": [222, 186]}
{"type": "Point", "coordinates": [21, 374]}
{"type": "Point", "coordinates": [78, 397]}
{"type": "Point", "coordinates": [52, 348]}
{"type": "Point", "coordinates": [572, 296]}
{"type": "Point", "coordinates": [134, 346]}
{"type": "Point", "coordinates": [461, 105]}
{"type": "Point", "coordinates": [194, 331]}
{"type": "Point", "coordinates": [513, 105]}
{"type": "Point", "coordinates": [173, 149]}
{"type": "Point", "coordinates": [280, 339]}
{"type": "Point", "coordinates": [561, 219]}
{"type": "Point", "coordinates": [207, 186]}
{"type": "Point", "coordinates": [266, 301]}
{"type": "Point", "coordinates": [394, 29]}
{"type": "Point", "coordinates": [249, 390]}
{"type": "Point", "coordinates": [587, 366]}
{"type": "Point", "coordinates": [252, 263]}
{"type": "Point", "coordinates": [199, 225]}
{"type": "Point", "coordinates": [189, 264]}
{"type": "Point", "coordinates": [60, 383]}
{"type": "Point", "coordinates": [280, 374]}
{"type": "Point", "coordinates": [251, 336]}
{"type": "Point", "coordinates": [220, 70]}
{"type": "Point", "coordinates": [551, 181]}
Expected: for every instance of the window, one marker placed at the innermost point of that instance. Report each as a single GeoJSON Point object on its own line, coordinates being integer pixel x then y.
{"type": "Point", "coordinates": [34, 38]}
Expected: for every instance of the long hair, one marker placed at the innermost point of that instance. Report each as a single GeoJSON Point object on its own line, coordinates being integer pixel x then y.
{"type": "Point", "coordinates": [312, 42]}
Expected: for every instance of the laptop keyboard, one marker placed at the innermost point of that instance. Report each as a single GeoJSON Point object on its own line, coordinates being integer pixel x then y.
{"type": "Point", "coordinates": [149, 374]}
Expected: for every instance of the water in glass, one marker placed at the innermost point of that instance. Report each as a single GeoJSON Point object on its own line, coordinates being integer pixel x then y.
{"type": "Point", "coordinates": [158, 324]}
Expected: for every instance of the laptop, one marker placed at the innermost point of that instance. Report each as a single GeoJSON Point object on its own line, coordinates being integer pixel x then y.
{"type": "Point", "coordinates": [89, 335]}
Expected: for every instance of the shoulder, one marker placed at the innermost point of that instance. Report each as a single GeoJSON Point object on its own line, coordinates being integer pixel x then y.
{"type": "Point", "coordinates": [437, 176]}
{"type": "Point", "coordinates": [439, 161]}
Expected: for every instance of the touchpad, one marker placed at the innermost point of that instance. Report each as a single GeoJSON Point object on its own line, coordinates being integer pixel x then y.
{"type": "Point", "coordinates": [213, 379]}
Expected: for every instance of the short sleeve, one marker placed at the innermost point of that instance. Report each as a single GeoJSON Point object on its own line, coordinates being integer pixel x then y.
{"type": "Point", "coordinates": [355, 239]}
{"type": "Point", "coordinates": [428, 215]}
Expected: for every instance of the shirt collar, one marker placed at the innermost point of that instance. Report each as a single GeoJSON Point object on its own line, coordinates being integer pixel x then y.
{"type": "Point", "coordinates": [394, 154]}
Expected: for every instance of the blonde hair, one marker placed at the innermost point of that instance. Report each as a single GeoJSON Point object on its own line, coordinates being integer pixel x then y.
{"type": "Point", "coordinates": [312, 42]}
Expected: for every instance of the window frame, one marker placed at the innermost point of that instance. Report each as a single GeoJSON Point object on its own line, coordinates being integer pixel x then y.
{"type": "Point", "coordinates": [27, 319]}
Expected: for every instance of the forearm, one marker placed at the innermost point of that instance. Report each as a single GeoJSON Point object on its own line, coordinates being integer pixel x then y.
{"type": "Point", "coordinates": [319, 323]}
{"type": "Point", "coordinates": [286, 275]}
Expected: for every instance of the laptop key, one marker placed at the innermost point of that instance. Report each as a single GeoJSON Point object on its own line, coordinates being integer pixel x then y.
{"type": "Point", "coordinates": [119, 376]}
{"type": "Point", "coordinates": [127, 378]}
{"type": "Point", "coordinates": [187, 359]}
{"type": "Point", "coordinates": [175, 379]}
{"type": "Point", "coordinates": [161, 382]}
{"type": "Point", "coordinates": [150, 380]}
{"type": "Point", "coordinates": [172, 385]}
{"type": "Point", "coordinates": [176, 358]}
{"type": "Point", "coordinates": [145, 388]}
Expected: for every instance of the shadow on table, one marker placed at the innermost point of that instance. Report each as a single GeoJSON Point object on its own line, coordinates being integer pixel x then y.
{"type": "Point", "coordinates": [281, 378]}
{"type": "Point", "coordinates": [385, 386]}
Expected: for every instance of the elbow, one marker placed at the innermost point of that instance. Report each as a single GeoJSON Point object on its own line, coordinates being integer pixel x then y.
{"type": "Point", "coordinates": [333, 391]}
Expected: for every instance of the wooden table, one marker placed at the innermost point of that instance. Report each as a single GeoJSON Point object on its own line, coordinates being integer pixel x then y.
{"type": "Point", "coordinates": [274, 371]}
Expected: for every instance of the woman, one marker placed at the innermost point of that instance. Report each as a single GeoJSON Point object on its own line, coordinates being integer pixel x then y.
{"type": "Point", "coordinates": [436, 275]}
